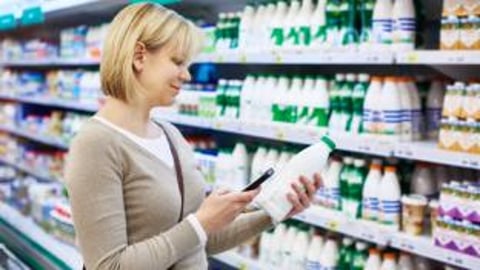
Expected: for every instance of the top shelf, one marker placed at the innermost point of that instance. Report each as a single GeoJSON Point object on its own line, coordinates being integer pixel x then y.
{"type": "Point", "coordinates": [432, 57]}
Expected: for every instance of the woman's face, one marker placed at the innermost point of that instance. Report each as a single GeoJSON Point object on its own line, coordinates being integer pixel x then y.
{"type": "Point", "coordinates": [162, 73]}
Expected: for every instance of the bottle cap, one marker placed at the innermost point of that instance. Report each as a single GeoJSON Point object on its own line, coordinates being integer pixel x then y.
{"type": "Point", "coordinates": [392, 169]}
{"type": "Point", "coordinates": [328, 141]}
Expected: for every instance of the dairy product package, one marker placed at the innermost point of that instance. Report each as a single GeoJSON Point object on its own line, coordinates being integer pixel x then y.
{"type": "Point", "coordinates": [311, 160]}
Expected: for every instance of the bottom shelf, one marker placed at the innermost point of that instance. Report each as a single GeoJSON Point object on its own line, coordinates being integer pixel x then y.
{"type": "Point", "coordinates": [233, 259]}
{"type": "Point", "coordinates": [39, 249]}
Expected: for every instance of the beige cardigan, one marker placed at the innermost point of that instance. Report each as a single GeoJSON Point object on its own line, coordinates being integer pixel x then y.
{"type": "Point", "coordinates": [126, 202]}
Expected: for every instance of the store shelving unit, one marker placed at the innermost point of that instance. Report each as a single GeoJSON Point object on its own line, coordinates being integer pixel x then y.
{"type": "Point", "coordinates": [52, 102]}
{"type": "Point", "coordinates": [384, 236]}
{"type": "Point", "coordinates": [238, 261]}
{"type": "Point", "coordinates": [30, 242]}
{"type": "Point", "coordinates": [34, 137]}
{"type": "Point", "coordinates": [25, 169]}
{"type": "Point", "coordinates": [312, 57]}
{"type": "Point", "coordinates": [422, 150]}
{"type": "Point", "coordinates": [438, 57]}
{"type": "Point", "coordinates": [52, 62]}
{"type": "Point", "coordinates": [49, 253]}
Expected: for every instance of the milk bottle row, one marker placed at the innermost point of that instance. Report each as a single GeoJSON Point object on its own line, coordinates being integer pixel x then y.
{"type": "Point", "coordinates": [379, 193]}
{"type": "Point", "coordinates": [322, 25]}
{"type": "Point", "coordinates": [389, 108]}
{"type": "Point", "coordinates": [293, 245]}
{"type": "Point", "coordinates": [460, 26]}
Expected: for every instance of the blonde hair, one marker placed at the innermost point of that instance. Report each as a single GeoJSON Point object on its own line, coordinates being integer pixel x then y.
{"type": "Point", "coordinates": [155, 27]}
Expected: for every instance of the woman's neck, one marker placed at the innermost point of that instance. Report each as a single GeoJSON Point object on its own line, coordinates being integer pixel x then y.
{"type": "Point", "coordinates": [134, 117]}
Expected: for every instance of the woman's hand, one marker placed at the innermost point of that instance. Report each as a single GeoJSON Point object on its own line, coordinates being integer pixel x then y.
{"type": "Point", "coordinates": [303, 196]}
{"type": "Point", "coordinates": [220, 208]}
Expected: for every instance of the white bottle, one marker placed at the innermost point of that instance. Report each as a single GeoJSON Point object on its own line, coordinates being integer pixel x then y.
{"type": "Point", "coordinates": [389, 197]}
{"type": "Point", "coordinates": [257, 162]}
{"type": "Point", "coordinates": [417, 118]}
{"type": "Point", "coordinates": [314, 253]}
{"type": "Point", "coordinates": [423, 182]}
{"type": "Point", "coordinates": [329, 256]}
{"type": "Point", "coordinates": [305, 106]}
{"type": "Point", "coordinates": [264, 27]}
{"type": "Point", "coordinates": [266, 241]}
{"type": "Point", "coordinates": [290, 29]}
{"type": "Point", "coordinates": [293, 98]}
{"type": "Point", "coordinates": [320, 103]}
{"type": "Point", "coordinates": [435, 97]}
{"type": "Point", "coordinates": [241, 164]}
{"type": "Point", "coordinates": [245, 39]}
{"type": "Point", "coordinates": [283, 159]}
{"type": "Point", "coordinates": [265, 111]}
{"type": "Point", "coordinates": [373, 262]}
{"type": "Point", "coordinates": [371, 192]}
{"type": "Point", "coordinates": [405, 262]}
{"type": "Point", "coordinates": [276, 25]}
{"type": "Point", "coordinates": [279, 237]}
{"type": "Point", "coordinates": [309, 161]}
{"type": "Point", "coordinates": [287, 247]}
{"type": "Point", "coordinates": [406, 109]}
{"type": "Point", "coordinates": [255, 33]}
{"type": "Point", "coordinates": [271, 159]}
{"type": "Point", "coordinates": [300, 249]}
{"type": "Point", "coordinates": [404, 26]}
{"type": "Point", "coordinates": [318, 26]}
{"type": "Point", "coordinates": [382, 25]}
{"type": "Point", "coordinates": [224, 170]}
{"type": "Point", "coordinates": [246, 98]}
{"type": "Point", "coordinates": [371, 106]}
{"type": "Point", "coordinates": [331, 188]}
{"type": "Point", "coordinates": [389, 262]}
{"type": "Point", "coordinates": [303, 24]}
{"type": "Point", "coordinates": [391, 110]}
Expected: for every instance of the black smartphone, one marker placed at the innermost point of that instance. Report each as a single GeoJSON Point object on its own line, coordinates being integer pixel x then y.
{"type": "Point", "coordinates": [255, 184]}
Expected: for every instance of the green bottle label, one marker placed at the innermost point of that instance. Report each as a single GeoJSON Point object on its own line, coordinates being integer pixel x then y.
{"type": "Point", "coordinates": [277, 36]}
{"type": "Point", "coordinates": [305, 35]}
{"type": "Point", "coordinates": [293, 37]}
{"type": "Point", "coordinates": [319, 117]}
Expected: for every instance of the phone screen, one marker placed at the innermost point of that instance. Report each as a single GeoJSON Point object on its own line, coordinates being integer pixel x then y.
{"type": "Point", "coordinates": [255, 184]}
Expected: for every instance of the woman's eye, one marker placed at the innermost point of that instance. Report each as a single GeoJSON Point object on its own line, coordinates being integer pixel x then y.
{"type": "Point", "coordinates": [178, 62]}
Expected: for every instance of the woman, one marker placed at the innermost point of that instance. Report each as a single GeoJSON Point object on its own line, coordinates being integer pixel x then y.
{"type": "Point", "coordinates": [134, 204]}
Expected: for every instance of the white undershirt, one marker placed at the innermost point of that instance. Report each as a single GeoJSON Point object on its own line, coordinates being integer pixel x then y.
{"type": "Point", "coordinates": [160, 148]}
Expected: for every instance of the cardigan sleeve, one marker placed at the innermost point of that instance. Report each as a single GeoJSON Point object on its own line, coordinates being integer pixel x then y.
{"type": "Point", "coordinates": [244, 227]}
{"type": "Point", "coordinates": [94, 182]}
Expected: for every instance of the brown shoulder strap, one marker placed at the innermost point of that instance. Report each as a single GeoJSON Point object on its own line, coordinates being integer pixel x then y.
{"type": "Point", "coordinates": [178, 168]}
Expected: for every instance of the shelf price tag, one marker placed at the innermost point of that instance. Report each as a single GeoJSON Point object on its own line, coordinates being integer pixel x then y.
{"type": "Point", "coordinates": [412, 57]}
{"type": "Point", "coordinates": [332, 225]}
{"type": "Point", "coordinates": [32, 15]}
{"type": "Point", "coordinates": [7, 22]}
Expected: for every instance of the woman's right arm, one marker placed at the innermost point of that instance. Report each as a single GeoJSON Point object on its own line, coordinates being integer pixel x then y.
{"type": "Point", "coordinates": [94, 183]}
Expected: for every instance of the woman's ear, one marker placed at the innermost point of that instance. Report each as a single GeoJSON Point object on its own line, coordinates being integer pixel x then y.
{"type": "Point", "coordinates": [139, 56]}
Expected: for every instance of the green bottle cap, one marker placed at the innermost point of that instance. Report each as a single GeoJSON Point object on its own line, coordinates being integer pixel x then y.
{"type": "Point", "coordinates": [328, 141]}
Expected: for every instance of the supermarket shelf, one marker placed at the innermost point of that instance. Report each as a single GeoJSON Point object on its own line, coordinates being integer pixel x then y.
{"type": "Point", "coordinates": [34, 137]}
{"type": "Point", "coordinates": [237, 261]}
{"type": "Point", "coordinates": [51, 62]}
{"type": "Point", "coordinates": [53, 102]}
{"type": "Point", "coordinates": [429, 151]}
{"type": "Point", "coordinates": [26, 169]}
{"type": "Point", "coordinates": [338, 222]}
{"type": "Point", "coordinates": [283, 132]}
{"type": "Point", "coordinates": [422, 245]}
{"type": "Point", "coordinates": [297, 57]}
{"type": "Point", "coordinates": [439, 57]}
{"type": "Point", "coordinates": [381, 235]}
{"type": "Point", "coordinates": [27, 237]}
{"type": "Point", "coordinates": [421, 151]}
